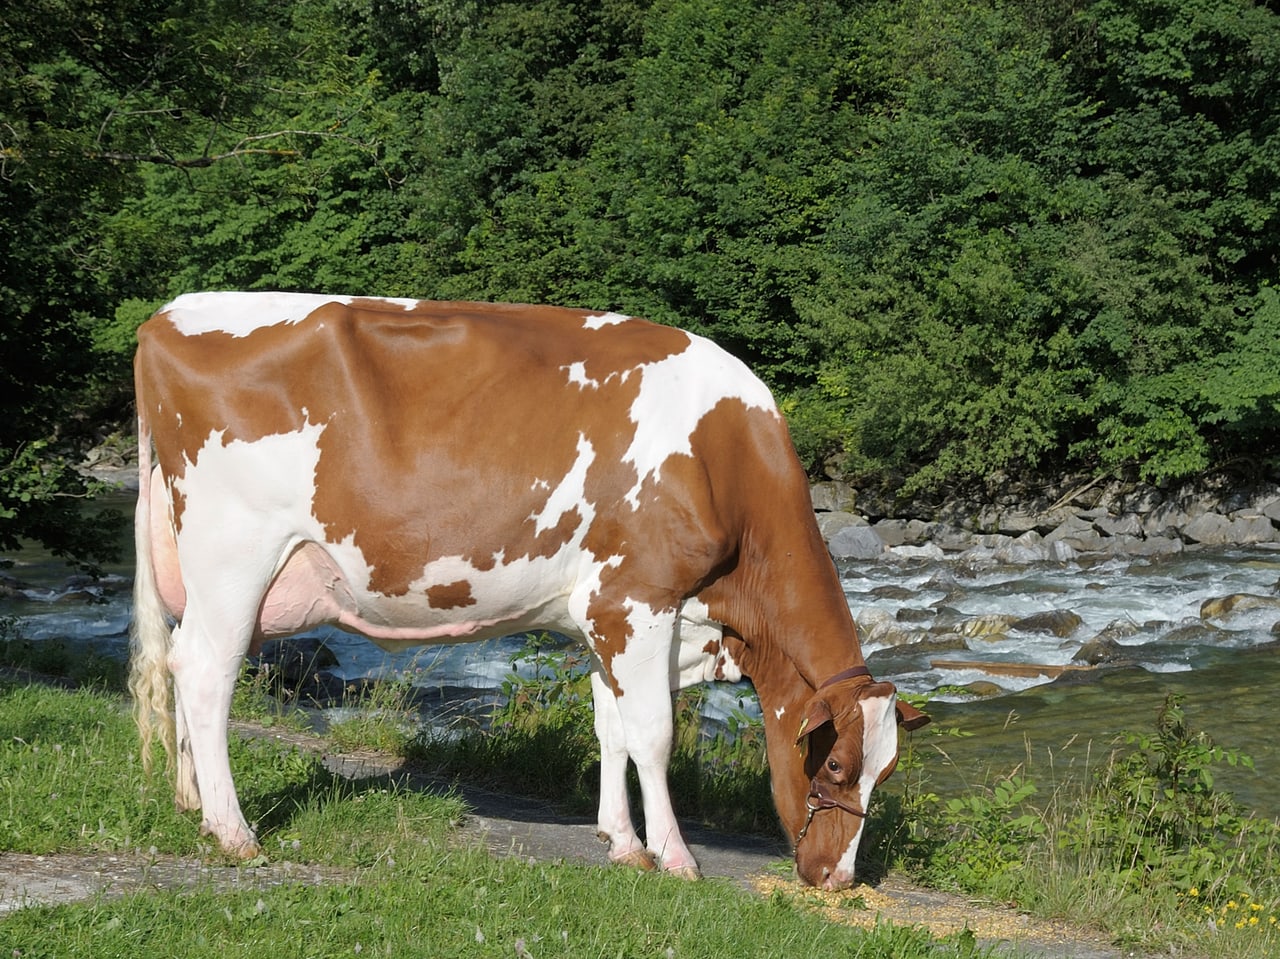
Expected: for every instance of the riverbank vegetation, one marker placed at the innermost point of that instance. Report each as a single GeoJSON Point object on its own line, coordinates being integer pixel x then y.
{"type": "Point", "coordinates": [958, 239]}
{"type": "Point", "coordinates": [1142, 846]}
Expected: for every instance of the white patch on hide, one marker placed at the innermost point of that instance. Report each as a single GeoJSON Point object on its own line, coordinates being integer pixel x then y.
{"type": "Point", "coordinates": [571, 492]}
{"type": "Point", "coordinates": [240, 313]}
{"type": "Point", "coordinates": [603, 320]}
{"type": "Point", "coordinates": [675, 393]}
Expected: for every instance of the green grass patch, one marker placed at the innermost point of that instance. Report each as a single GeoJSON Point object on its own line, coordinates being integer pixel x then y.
{"type": "Point", "coordinates": [452, 903]}
{"type": "Point", "coordinates": [71, 782]}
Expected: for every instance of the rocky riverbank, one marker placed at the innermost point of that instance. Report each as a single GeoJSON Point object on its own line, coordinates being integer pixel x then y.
{"type": "Point", "coordinates": [1075, 519]}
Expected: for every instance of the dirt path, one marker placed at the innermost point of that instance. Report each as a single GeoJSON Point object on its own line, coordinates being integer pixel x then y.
{"type": "Point", "coordinates": [516, 826]}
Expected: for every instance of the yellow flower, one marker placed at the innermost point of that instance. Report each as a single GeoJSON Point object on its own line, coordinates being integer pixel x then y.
{"type": "Point", "coordinates": [1253, 920]}
{"type": "Point", "coordinates": [1256, 907]}
{"type": "Point", "coordinates": [1193, 892]}
{"type": "Point", "coordinates": [1231, 904]}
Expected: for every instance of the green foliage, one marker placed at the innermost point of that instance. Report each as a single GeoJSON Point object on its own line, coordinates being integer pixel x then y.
{"type": "Point", "coordinates": [957, 238]}
{"type": "Point", "coordinates": [1149, 849]}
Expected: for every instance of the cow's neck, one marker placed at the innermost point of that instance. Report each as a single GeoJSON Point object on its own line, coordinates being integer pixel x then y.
{"type": "Point", "coordinates": [785, 599]}
{"type": "Point", "coordinates": [784, 695]}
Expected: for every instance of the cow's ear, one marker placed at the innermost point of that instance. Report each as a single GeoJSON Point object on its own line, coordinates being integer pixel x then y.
{"type": "Point", "coordinates": [819, 714]}
{"type": "Point", "coordinates": [909, 717]}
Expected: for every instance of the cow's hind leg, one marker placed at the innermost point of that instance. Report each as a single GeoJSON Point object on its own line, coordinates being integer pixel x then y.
{"type": "Point", "coordinates": [186, 790]}
{"type": "Point", "coordinates": [206, 662]}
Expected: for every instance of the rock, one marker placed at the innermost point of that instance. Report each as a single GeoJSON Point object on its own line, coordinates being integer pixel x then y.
{"type": "Point", "coordinates": [930, 551]}
{"type": "Point", "coordinates": [1062, 552]}
{"type": "Point", "coordinates": [886, 631]}
{"type": "Point", "coordinates": [983, 689]}
{"type": "Point", "coordinates": [1155, 546]}
{"type": "Point", "coordinates": [914, 614]}
{"type": "Point", "coordinates": [831, 523]}
{"type": "Point", "coordinates": [1101, 649]}
{"type": "Point", "coordinates": [1126, 525]}
{"type": "Point", "coordinates": [952, 537]}
{"type": "Point", "coordinates": [1119, 629]}
{"type": "Point", "coordinates": [899, 532]}
{"type": "Point", "coordinates": [1014, 522]}
{"type": "Point", "coordinates": [1222, 607]}
{"type": "Point", "coordinates": [1057, 622]}
{"type": "Point", "coordinates": [1194, 631]}
{"type": "Point", "coordinates": [856, 542]}
{"type": "Point", "coordinates": [892, 532]}
{"type": "Point", "coordinates": [1016, 554]}
{"type": "Point", "coordinates": [295, 660]}
{"type": "Point", "coordinates": [1167, 519]}
{"type": "Point", "coordinates": [993, 626]}
{"type": "Point", "coordinates": [889, 591]}
{"type": "Point", "coordinates": [1210, 529]}
{"type": "Point", "coordinates": [1141, 500]}
{"type": "Point", "coordinates": [833, 497]}
{"type": "Point", "coordinates": [1253, 529]}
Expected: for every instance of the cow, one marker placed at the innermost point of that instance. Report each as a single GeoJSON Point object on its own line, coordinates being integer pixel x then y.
{"type": "Point", "coordinates": [436, 472]}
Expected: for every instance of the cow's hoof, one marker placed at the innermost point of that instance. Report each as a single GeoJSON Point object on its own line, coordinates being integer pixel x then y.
{"type": "Point", "coordinates": [641, 859]}
{"type": "Point", "coordinates": [242, 849]}
{"type": "Point", "coordinates": [684, 872]}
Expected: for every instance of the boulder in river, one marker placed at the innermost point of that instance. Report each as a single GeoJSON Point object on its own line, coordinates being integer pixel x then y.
{"type": "Point", "coordinates": [1057, 622]}
{"type": "Point", "coordinates": [1221, 607]}
{"type": "Point", "coordinates": [856, 542]}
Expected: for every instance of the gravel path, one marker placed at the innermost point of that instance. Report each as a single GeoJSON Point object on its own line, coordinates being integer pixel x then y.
{"type": "Point", "coordinates": [522, 827]}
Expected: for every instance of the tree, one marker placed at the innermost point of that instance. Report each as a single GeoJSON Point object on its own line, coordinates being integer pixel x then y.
{"type": "Point", "coordinates": [91, 93]}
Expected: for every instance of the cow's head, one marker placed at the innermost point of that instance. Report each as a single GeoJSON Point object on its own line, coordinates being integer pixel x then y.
{"type": "Point", "coordinates": [849, 734]}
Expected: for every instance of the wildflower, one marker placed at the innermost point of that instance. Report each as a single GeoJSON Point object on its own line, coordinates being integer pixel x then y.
{"type": "Point", "coordinates": [1193, 892]}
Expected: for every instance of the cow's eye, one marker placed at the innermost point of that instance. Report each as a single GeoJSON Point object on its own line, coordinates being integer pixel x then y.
{"type": "Point", "coordinates": [833, 765]}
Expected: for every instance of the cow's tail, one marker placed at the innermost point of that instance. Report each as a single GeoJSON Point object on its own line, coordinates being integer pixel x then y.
{"type": "Point", "coordinates": [150, 633]}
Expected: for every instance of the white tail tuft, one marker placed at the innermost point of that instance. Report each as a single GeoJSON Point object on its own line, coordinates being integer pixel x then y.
{"type": "Point", "coordinates": [150, 633]}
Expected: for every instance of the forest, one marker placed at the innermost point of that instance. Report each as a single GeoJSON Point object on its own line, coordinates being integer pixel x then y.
{"type": "Point", "coordinates": [958, 238]}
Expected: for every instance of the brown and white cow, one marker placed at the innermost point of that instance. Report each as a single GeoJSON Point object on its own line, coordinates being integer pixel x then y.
{"type": "Point", "coordinates": [426, 472]}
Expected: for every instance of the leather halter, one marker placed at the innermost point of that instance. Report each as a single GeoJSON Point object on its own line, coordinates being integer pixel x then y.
{"type": "Point", "coordinates": [818, 798]}
{"type": "Point", "coordinates": [853, 672]}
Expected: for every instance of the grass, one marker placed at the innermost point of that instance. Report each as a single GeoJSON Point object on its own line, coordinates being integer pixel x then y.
{"type": "Point", "coordinates": [1145, 849]}
{"type": "Point", "coordinates": [71, 782]}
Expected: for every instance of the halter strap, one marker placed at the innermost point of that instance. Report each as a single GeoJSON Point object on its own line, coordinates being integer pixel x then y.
{"type": "Point", "coordinates": [853, 672]}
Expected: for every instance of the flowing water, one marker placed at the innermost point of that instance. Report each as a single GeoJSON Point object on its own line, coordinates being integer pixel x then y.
{"type": "Point", "coordinates": [915, 616]}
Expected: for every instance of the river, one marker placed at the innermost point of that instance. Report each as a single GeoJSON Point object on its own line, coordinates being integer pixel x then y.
{"type": "Point", "coordinates": [916, 614]}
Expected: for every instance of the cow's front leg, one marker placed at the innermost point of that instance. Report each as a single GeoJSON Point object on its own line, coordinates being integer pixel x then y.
{"type": "Point", "coordinates": [642, 672]}
{"type": "Point", "coordinates": [614, 823]}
